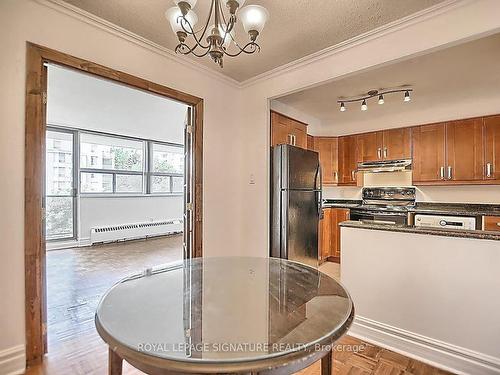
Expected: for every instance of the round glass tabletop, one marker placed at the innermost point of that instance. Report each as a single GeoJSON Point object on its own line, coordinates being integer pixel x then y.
{"type": "Point", "coordinates": [225, 310]}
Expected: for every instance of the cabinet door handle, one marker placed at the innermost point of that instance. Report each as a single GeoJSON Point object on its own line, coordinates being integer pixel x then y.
{"type": "Point", "coordinates": [488, 170]}
{"type": "Point", "coordinates": [441, 173]}
{"type": "Point", "coordinates": [293, 139]}
{"type": "Point", "coordinates": [385, 152]}
{"type": "Point", "coordinates": [335, 175]}
{"type": "Point", "coordinates": [379, 153]}
{"type": "Point", "coordinates": [353, 175]}
{"type": "Point", "coordinates": [449, 172]}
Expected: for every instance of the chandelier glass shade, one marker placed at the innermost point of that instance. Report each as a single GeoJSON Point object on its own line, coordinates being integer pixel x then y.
{"type": "Point", "coordinates": [216, 37]}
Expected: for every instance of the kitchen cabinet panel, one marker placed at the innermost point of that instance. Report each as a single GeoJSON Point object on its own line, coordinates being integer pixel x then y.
{"type": "Point", "coordinates": [310, 143]}
{"type": "Point", "coordinates": [396, 144]}
{"type": "Point", "coordinates": [285, 130]}
{"type": "Point", "coordinates": [327, 148]}
{"type": "Point", "coordinates": [347, 160]}
{"type": "Point", "coordinates": [429, 152]}
{"type": "Point", "coordinates": [492, 223]}
{"type": "Point", "coordinates": [464, 150]}
{"type": "Point", "coordinates": [338, 215]}
{"type": "Point", "coordinates": [325, 235]}
{"type": "Point", "coordinates": [492, 147]}
{"type": "Point", "coordinates": [370, 146]}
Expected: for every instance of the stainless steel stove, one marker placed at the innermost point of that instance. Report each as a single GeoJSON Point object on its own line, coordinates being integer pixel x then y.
{"type": "Point", "coordinates": [387, 205]}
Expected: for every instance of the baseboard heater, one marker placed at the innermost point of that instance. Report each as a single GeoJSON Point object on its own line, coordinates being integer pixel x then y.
{"type": "Point", "coordinates": [124, 232]}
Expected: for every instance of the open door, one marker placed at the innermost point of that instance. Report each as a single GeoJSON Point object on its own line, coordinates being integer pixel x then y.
{"type": "Point", "coordinates": [188, 184]}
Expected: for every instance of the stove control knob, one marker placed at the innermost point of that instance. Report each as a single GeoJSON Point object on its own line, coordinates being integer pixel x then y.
{"type": "Point", "coordinates": [442, 223]}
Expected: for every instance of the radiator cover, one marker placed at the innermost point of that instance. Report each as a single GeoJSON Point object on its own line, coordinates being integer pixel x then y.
{"type": "Point", "coordinates": [123, 232]}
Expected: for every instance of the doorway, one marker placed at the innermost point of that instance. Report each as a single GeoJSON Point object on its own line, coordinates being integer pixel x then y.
{"type": "Point", "coordinates": [59, 189]}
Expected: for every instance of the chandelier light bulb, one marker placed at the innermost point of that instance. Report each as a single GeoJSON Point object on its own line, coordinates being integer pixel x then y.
{"type": "Point", "coordinates": [364, 107]}
{"type": "Point", "coordinates": [342, 107]}
{"type": "Point", "coordinates": [407, 96]}
{"type": "Point", "coordinates": [173, 14]}
{"type": "Point", "coordinates": [381, 99]}
{"type": "Point", "coordinates": [253, 17]}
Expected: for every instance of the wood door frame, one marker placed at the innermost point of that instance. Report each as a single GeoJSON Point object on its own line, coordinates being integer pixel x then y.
{"type": "Point", "coordinates": [35, 116]}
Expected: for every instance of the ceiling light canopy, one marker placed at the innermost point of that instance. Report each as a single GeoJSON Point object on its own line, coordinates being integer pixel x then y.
{"type": "Point", "coordinates": [216, 39]}
{"type": "Point", "coordinates": [373, 93]}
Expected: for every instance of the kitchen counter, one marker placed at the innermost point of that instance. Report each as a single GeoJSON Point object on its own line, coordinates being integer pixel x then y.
{"type": "Point", "coordinates": [459, 209]}
{"type": "Point", "coordinates": [478, 234]}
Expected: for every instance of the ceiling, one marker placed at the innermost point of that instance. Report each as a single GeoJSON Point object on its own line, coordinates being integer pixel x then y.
{"type": "Point", "coordinates": [296, 28]}
{"type": "Point", "coordinates": [457, 82]}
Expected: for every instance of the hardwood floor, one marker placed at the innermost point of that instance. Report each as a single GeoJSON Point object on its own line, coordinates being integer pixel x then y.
{"type": "Point", "coordinates": [77, 278]}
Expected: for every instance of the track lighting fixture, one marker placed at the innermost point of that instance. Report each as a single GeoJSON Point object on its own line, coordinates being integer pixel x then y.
{"type": "Point", "coordinates": [374, 93]}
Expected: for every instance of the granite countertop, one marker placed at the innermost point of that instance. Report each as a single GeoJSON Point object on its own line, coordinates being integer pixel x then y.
{"type": "Point", "coordinates": [479, 234]}
{"type": "Point", "coordinates": [457, 209]}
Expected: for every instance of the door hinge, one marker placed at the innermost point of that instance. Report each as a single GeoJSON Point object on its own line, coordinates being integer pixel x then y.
{"type": "Point", "coordinates": [189, 129]}
{"type": "Point", "coordinates": [189, 206]}
{"type": "Point", "coordinates": [44, 97]}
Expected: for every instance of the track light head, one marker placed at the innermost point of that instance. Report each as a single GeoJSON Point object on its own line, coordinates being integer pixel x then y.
{"type": "Point", "coordinates": [342, 107]}
{"type": "Point", "coordinates": [381, 99]}
{"type": "Point", "coordinates": [364, 107]}
{"type": "Point", "coordinates": [407, 96]}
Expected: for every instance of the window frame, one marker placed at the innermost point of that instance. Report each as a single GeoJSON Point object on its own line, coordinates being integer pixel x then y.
{"type": "Point", "coordinates": [151, 173]}
{"type": "Point", "coordinates": [147, 172]}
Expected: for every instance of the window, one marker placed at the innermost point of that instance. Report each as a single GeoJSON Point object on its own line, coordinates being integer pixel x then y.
{"type": "Point", "coordinates": [167, 168]}
{"type": "Point", "coordinates": [116, 164]}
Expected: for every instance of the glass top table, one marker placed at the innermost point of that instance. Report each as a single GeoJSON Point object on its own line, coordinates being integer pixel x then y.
{"type": "Point", "coordinates": [226, 315]}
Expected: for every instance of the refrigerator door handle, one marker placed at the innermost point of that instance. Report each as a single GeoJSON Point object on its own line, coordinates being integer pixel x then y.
{"type": "Point", "coordinates": [320, 193]}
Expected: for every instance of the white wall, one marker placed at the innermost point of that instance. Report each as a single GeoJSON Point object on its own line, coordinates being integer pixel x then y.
{"type": "Point", "coordinates": [436, 296]}
{"type": "Point", "coordinates": [26, 20]}
{"type": "Point", "coordinates": [313, 124]}
{"type": "Point", "coordinates": [125, 210]}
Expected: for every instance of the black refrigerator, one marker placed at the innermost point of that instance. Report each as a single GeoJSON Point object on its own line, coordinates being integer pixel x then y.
{"type": "Point", "coordinates": [296, 204]}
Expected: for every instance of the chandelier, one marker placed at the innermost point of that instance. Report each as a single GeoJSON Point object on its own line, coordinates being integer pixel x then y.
{"type": "Point", "coordinates": [216, 40]}
{"type": "Point", "coordinates": [373, 93]}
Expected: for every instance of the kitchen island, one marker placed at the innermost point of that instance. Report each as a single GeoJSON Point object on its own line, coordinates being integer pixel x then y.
{"type": "Point", "coordinates": [425, 295]}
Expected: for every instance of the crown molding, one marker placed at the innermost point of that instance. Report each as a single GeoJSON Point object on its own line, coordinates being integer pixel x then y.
{"type": "Point", "coordinates": [91, 19]}
{"type": "Point", "coordinates": [386, 29]}
{"type": "Point", "coordinates": [357, 40]}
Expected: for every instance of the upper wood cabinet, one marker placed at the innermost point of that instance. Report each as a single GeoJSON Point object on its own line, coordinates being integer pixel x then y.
{"type": "Point", "coordinates": [385, 145]}
{"type": "Point", "coordinates": [327, 147]}
{"type": "Point", "coordinates": [310, 143]}
{"type": "Point", "coordinates": [396, 144]}
{"type": "Point", "coordinates": [429, 153]}
{"type": "Point", "coordinates": [464, 150]}
{"type": "Point", "coordinates": [370, 146]}
{"type": "Point", "coordinates": [492, 148]}
{"type": "Point", "coordinates": [457, 152]}
{"type": "Point", "coordinates": [285, 130]}
{"type": "Point", "coordinates": [347, 160]}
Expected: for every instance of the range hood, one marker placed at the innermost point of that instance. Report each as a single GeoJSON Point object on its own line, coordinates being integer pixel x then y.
{"type": "Point", "coordinates": [385, 166]}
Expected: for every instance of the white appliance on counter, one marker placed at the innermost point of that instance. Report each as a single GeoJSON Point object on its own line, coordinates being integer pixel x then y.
{"type": "Point", "coordinates": [445, 221]}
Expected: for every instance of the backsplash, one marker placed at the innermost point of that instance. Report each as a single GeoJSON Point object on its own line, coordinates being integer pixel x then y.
{"type": "Point", "coordinates": [489, 194]}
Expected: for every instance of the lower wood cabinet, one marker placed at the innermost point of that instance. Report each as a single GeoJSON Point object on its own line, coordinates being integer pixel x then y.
{"type": "Point", "coordinates": [329, 233]}
{"type": "Point", "coordinates": [492, 223]}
